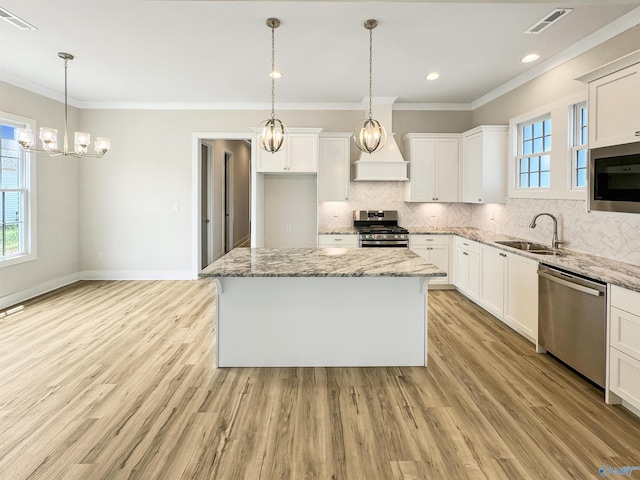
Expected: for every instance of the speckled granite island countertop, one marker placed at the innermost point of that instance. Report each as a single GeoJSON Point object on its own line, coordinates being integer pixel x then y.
{"type": "Point", "coordinates": [323, 262]}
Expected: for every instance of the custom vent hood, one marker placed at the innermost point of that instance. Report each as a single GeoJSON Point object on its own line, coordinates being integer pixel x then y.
{"type": "Point", "coordinates": [386, 164]}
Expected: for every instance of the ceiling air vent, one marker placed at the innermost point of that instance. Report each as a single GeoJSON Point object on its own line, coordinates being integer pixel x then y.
{"type": "Point", "coordinates": [15, 21]}
{"type": "Point", "coordinates": [549, 20]}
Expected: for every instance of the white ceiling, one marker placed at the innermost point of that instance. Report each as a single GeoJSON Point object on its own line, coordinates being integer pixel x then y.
{"type": "Point", "coordinates": [218, 52]}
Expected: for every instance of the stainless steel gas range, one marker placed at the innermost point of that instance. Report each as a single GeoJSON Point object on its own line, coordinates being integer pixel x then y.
{"type": "Point", "coordinates": [379, 228]}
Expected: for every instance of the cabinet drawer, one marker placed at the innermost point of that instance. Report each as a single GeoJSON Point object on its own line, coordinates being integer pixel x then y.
{"type": "Point", "coordinates": [624, 376]}
{"type": "Point", "coordinates": [418, 240]}
{"type": "Point", "coordinates": [469, 245]}
{"type": "Point", "coordinates": [625, 332]}
{"type": "Point", "coordinates": [337, 241]}
{"type": "Point", "coordinates": [627, 300]}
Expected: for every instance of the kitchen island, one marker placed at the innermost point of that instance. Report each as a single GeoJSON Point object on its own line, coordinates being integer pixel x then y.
{"type": "Point", "coordinates": [321, 307]}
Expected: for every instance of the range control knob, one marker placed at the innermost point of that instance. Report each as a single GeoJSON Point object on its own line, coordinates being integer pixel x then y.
{"type": "Point", "coordinates": [384, 236]}
{"type": "Point", "coordinates": [396, 236]}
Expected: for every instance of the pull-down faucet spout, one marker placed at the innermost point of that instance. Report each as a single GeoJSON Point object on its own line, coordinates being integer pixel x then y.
{"type": "Point", "coordinates": [554, 241]}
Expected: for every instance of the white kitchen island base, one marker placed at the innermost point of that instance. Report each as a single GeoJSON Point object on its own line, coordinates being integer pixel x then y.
{"type": "Point", "coordinates": [321, 321]}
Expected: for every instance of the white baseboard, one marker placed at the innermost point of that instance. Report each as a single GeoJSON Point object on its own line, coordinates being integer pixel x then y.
{"type": "Point", "coordinates": [23, 295]}
{"type": "Point", "coordinates": [242, 241]}
{"type": "Point", "coordinates": [136, 275]}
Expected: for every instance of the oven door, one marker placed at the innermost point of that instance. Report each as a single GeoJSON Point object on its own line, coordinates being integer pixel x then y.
{"type": "Point", "coordinates": [383, 243]}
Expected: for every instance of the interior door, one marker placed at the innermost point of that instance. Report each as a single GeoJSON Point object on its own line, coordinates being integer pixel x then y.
{"type": "Point", "coordinates": [204, 206]}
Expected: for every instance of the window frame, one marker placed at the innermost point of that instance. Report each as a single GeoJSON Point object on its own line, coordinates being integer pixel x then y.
{"type": "Point", "coordinates": [521, 155]}
{"type": "Point", "coordinates": [27, 166]}
{"type": "Point", "coordinates": [579, 132]}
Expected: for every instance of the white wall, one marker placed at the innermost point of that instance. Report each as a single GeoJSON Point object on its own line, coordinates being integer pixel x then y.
{"type": "Point", "coordinates": [58, 250]}
{"type": "Point", "coordinates": [290, 204]}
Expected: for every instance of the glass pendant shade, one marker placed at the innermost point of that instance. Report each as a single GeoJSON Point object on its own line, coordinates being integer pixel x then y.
{"type": "Point", "coordinates": [25, 137]}
{"type": "Point", "coordinates": [370, 135]}
{"type": "Point", "coordinates": [49, 138]}
{"type": "Point", "coordinates": [272, 135]}
{"type": "Point", "coordinates": [102, 145]}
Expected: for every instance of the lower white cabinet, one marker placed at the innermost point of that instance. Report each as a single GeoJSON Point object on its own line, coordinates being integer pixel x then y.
{"type": "Point", "coordinates": [466, 267]}
{"type": "Point", "coordinates": [434, 249]}
{"type": "Point", "coordinates": [340, 241]}
{"type": "Point", "coordinates": [509, 289]}
{"type": "Point", "coordinates": [624, 345]}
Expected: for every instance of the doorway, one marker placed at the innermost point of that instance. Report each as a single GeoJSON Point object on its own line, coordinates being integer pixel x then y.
{"type": "Point", "coordinates": [222, 183]}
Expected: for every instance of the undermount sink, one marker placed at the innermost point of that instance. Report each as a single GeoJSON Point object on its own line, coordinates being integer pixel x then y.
{"type": "Point", "coordinates": [530, 247]}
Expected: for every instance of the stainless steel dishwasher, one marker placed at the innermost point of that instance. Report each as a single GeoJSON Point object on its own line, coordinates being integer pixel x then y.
{"type": "Point", "coordinates": [572, 312]}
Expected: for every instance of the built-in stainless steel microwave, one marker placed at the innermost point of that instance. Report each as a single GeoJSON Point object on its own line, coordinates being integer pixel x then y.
{"type": "Point", "coordinates": [614, 178]}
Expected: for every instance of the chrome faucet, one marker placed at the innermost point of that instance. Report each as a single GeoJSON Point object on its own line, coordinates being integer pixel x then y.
{"type": "Point", "coordinates": [554, 241]}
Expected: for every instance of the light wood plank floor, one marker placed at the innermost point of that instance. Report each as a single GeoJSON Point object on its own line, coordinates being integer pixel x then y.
{"type": "Point", "coordinates": [115, 380]}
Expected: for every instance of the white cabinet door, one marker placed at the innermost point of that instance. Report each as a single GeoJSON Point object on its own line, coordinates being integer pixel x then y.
{"type": "Point", "coordinates": [472, 164]}
{"type": "Point", "coordinates": [302, 153]}
{"type": "Point", "coordinates": [434, 249]}
{"type": "Point", "coordinates": [521, 306]}
{"type": "Point", "coordinates": [484, 164]}
{"type": "Point", "coordinates": [271, 162]}
{"type": "Point", "coordinates": [299, 154]}
{"type": "Point", "coordinates": [334, 167]}
{"type": "Point", "coordinates": [614, 108]}
{"type": "Point", "coordinates": [446, 169]}
{"type": "Point", "coordinates": [493, 280]}
{"type": "Point", "coordinates": [467, 267]}
{"type": "Point", "coordinates": [433, 167]}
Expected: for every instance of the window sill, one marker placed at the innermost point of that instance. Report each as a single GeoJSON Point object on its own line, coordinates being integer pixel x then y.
{"type": "Point", "coordinates": [10, 261]}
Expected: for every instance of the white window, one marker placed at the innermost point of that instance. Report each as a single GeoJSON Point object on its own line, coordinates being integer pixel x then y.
{"type": "Point", "coordinates": [579, 147]}
{"type": "Point", "coordinates": [15, 195]}
{"type": "Point", "coordinates": [534, 153]}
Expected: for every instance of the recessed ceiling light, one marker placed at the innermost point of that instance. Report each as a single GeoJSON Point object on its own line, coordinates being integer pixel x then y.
{"type": "Point", "coordinates": [532, 57]}
{"type": "Point", "coordinates": [275, 74]}
{"type": "Point", "coordinates": [433, 76]}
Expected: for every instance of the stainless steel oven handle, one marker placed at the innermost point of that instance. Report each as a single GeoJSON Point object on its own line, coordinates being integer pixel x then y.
{"type": "Point", "coordinates": [575, 286]}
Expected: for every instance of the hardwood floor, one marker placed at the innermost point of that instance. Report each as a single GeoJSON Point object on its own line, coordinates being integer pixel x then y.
{"type": "Point", "coordinates": [115, 380]}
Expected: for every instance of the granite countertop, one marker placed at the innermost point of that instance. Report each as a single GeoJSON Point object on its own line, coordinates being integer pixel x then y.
{"type": "Point", "coordinates": [609, 271]}
{"type": "Point", "coordinates": [338, 231]}
{"type": "Point", "coordinates": [324, 262]}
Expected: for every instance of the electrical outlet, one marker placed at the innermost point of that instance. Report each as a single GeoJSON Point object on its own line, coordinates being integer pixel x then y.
{"type": "Point", "coordinates": [100, 256]}
{"type": "Point", "coordinates": [288, 228]}
{"type": "Point", "coordinates": [176, 207]}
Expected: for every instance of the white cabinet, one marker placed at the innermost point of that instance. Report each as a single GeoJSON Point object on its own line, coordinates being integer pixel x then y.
{"type": "Point", "coordinates": [494, 271]}
{"type": "Point", "coordinates": [624, 345]}
{"type": "Point", "coordinates": [340, 241]}
{"type": "Point", "coordinates": [509, 289]}
{"type": "Point", "coordinates": [466, 267]}
{"type": "Point", "coordinates": [299, 155]}
{"type": "Point", "coordinates": [433, 167]}
{"type": "Point", "coordinates": [484, 164]}
{"type": "Point", "coordinates": [521, 303]}
{"type": "Point", "coordinates": [434, 249]}
{"type": "Point", "coordinates": [334, 167]}
{"type": "Point", "coordinates": [614, 108]}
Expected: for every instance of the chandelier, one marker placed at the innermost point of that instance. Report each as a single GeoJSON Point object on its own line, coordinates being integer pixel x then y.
{"type": "Point", "coordinates": [272, 130]}
{"type": "Point", "coordinates": [49, 136]}
{"type": "Point", "coordinates": [370, 135]}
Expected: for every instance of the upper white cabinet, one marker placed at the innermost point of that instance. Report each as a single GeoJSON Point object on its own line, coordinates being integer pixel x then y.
{"type": "Point", "coordinates": [434, 249]}
{"type": "Point", "coordinates": [433, 167]}
{"type": "Point", "coordinates": [614, 105]}
{"type": "Point", "coordinates": [299, 155]}
{"type": "Point", "coordinates": [484, 164]}
{"type": "Point", "coordinates": [334, 167]}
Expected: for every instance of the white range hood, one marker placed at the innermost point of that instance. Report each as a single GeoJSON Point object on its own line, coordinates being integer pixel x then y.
{"type": "Point", "coordinates": [386, 164]}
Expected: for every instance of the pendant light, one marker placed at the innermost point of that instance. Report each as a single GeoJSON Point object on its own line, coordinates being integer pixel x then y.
{"type": "Point", "coordinates": [49, 136]}
{"type": "Point", "coordinates": [272, 131]}
{"type": "Point", "coordinates": [370, 136]}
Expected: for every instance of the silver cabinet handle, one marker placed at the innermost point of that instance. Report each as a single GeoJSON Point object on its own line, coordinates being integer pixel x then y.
{"type": "Point", "coordinates": [337, 239]}
{"type": "Point", "coordinates": [574, 286]}
{"type": "Point", "coordinates": [465, 253]}
{"type": "Point", "coordinates": [638, 133]}
{"type": "Point", "coordinates": [503, 254]}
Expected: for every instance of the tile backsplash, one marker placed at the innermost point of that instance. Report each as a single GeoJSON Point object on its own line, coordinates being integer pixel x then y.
{"type": "Point", "coordinates": [610, 235]}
